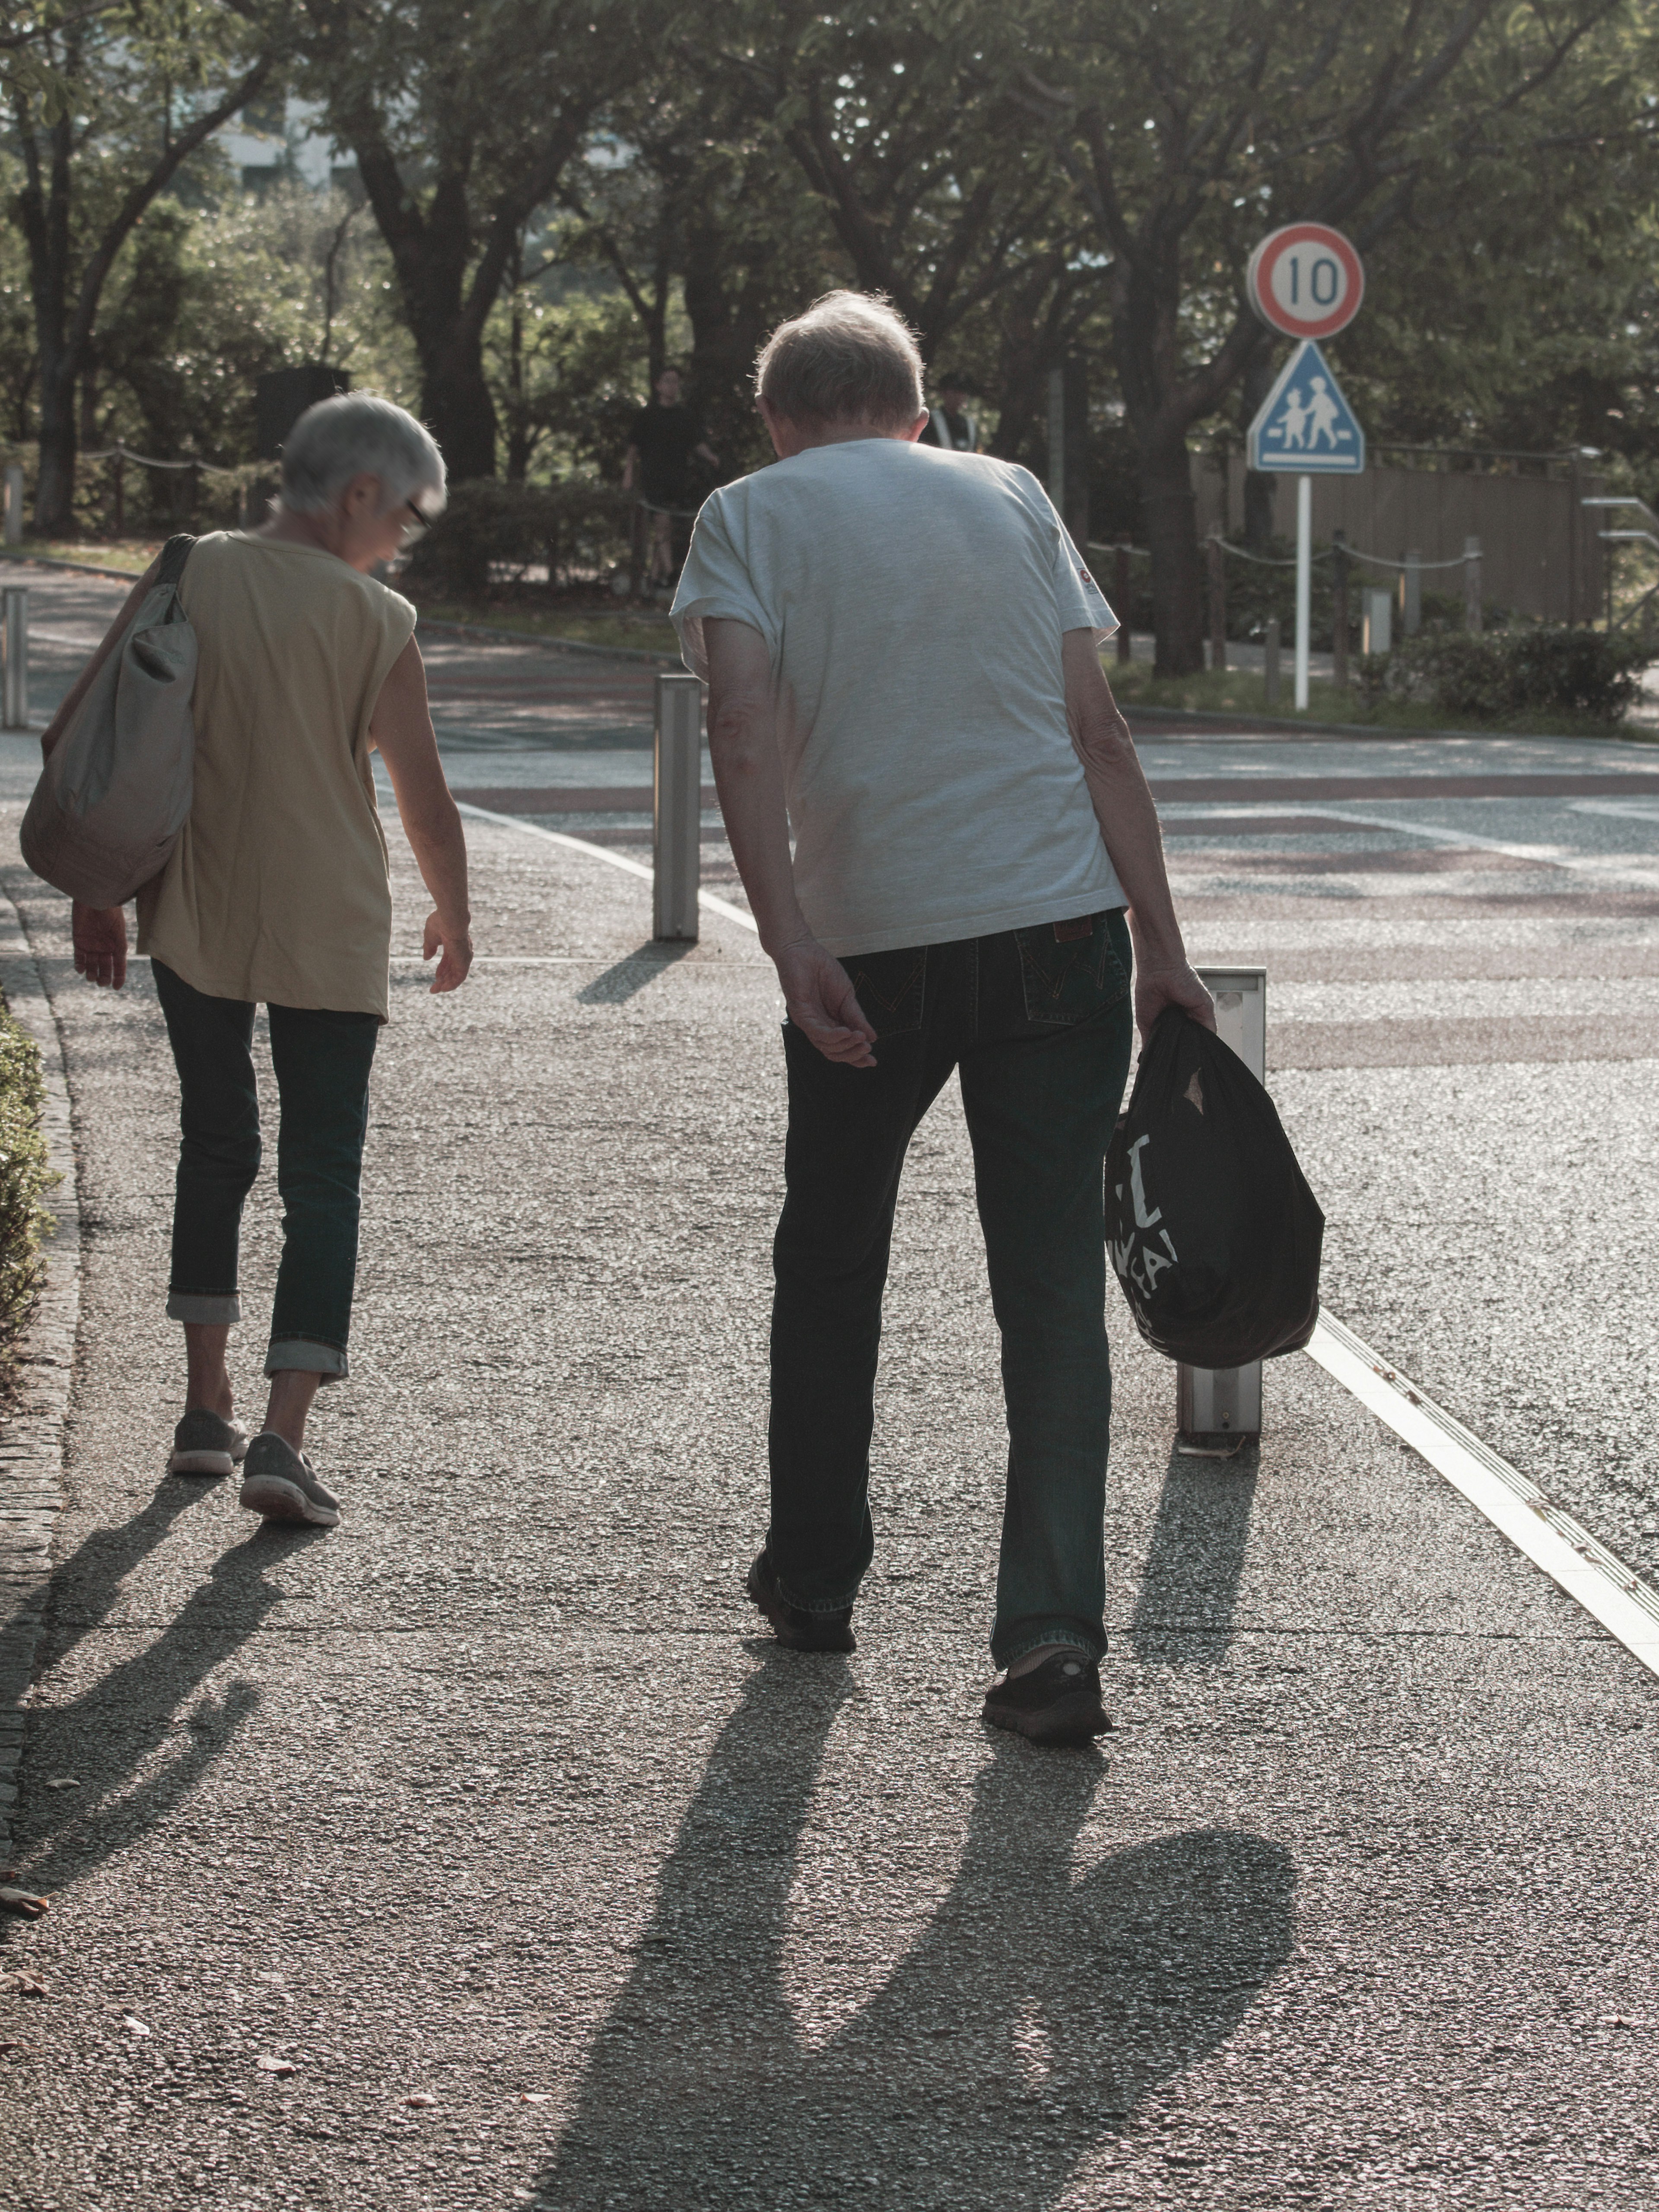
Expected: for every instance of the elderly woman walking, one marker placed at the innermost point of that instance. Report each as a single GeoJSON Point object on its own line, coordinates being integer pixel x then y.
{"type": "Point", "coordinates": [278, 893]}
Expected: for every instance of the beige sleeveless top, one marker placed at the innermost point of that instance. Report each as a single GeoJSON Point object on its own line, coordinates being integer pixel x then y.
{"type": "Point", "coordinates": [278, 890]}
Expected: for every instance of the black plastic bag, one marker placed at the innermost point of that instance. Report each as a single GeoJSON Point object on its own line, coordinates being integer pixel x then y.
{"type": "Point", "coordinates": [1209, 1222]}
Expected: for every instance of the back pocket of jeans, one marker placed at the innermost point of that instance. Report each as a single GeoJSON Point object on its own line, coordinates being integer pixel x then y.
{"type": "Point", "coordinates": [1067, 978]}
{"type": "Point", "coordinates": [889, 987]}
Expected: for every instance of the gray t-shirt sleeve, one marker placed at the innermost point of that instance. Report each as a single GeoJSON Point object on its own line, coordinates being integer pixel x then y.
{"type": "Point", "coordinates": [1082, 603]}
{"type": "Point", "coordinates": [716, 582]}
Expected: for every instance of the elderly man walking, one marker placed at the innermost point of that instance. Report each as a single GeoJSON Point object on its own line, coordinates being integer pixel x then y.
{"type": "Point", "coordinates": [902, 650]}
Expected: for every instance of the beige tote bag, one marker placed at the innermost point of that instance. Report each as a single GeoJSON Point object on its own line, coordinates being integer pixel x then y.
{"type": "Point", "coordinates": [116, 788]}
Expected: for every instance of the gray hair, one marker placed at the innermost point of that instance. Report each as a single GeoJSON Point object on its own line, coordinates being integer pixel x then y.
{"type": "Point", "coordinates": [353, 434]}
{"type": "Point", "coordinates": [850, 358]}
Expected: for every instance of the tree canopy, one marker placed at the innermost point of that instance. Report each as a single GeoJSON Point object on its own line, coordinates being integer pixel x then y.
{"type": "Point", "coordinates": [537, 203]}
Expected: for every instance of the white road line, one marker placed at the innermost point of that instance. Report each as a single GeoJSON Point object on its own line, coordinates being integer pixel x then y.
{"type": "Point", "coordinates": [1549, 856]}
{"type": "Point", "coordinates": [1625, 1605]}
{"type": "Point", "coordinates": [1590, 1574]}
{"type": "Point", "coordinates": [714, 903]}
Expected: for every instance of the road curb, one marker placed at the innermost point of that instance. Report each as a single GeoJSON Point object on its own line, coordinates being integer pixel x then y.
{"type": "Point", "coordinates": [31, 1439]}
{"type": "Point", "coordinates": [1368, 732]}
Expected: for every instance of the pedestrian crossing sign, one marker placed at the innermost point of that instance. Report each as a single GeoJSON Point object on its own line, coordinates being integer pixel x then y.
{"type": "Point", "coordinates": [1305, 425]}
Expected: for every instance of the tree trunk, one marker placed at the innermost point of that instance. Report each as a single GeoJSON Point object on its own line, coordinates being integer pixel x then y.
{"type": "Point", "coordinates": [726, 336]}
{"type": "Point", "coordinates": [1259, 485]}
{"type": "Point", "coordinates": [458, 410]}
{"type": "Point", "coordinates": [54, 484]}
{"type": "Point", "coordinates": [1166, 490]}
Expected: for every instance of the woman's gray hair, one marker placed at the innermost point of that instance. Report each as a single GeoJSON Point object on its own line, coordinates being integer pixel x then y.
{"type": "Point", "coordinates": [354, 434]}
{"type": "Point", "coordinates": [850, 358]}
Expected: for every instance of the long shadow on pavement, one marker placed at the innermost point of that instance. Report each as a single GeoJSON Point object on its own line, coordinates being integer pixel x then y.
{"type": "Point", "coordinates": [118, 1725]}
{"type": "Point", "coordinates": [1189, 1592]}
{"type": "Point", "coordinates": [1037, 2010]}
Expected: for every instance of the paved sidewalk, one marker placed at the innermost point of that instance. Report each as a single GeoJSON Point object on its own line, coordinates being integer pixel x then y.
{"type": "Point", "coordinates": [494, 1798]}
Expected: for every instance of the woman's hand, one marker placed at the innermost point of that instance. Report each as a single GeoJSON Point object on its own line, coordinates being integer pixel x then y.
{"type": "Point", "coordinates": [456, 947]}
{"type": "Point", "coordinates": [100, 944]}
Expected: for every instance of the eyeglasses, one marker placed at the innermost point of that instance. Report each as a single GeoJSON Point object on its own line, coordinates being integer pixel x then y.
{"type": "Point", "coordinates": [416, 528]}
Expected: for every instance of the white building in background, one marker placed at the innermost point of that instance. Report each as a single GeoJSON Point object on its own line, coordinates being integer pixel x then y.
{"type": "Point", "coordinates": [263, 147]}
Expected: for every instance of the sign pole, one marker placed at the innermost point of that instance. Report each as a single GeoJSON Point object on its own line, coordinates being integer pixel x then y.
{"type": "Point", "coordinates": [1304, 586]}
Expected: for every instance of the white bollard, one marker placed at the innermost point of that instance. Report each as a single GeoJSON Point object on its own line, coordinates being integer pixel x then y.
{"type": "Point", "coordinates": [14, 630]}
{"type": "Point", "coordinates": [1218, 1407]}
{"type": "Point", "coordinates": [14, 504]}
{"type": "Point", "coordinates": [676, 809]}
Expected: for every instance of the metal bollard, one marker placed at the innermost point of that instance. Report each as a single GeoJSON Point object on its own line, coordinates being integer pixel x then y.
{"type": "Point", "coordinates": [1218, 1407]}
{"type": "Point", "coordinates": [14, 504]}
{"type": "Point", "coordinates": [1270, 665]}
{"type": "Point", "coordinates": [14, 630]}
{"type": "Point", "coordinates": [676, 809]}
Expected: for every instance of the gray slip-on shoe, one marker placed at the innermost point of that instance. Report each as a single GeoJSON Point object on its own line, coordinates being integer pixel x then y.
{"type": "Point", "coordinates": [281, 1484]}
{"type": "Point", "coordinates": [205, 1443]}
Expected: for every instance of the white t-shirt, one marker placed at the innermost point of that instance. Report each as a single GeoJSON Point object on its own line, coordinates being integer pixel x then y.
{"type": "Point", "coordinates": [913, 603]}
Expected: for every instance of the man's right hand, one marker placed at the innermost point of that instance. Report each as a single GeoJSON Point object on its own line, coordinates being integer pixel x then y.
{"type": "Point", "coordinates": [818, 992]}
{"type": "Point", "coordinates": [1168, 983]}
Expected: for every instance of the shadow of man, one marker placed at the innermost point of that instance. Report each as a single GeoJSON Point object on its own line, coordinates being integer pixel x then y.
{"type": "Point", "coordinates": [1037, 2009]}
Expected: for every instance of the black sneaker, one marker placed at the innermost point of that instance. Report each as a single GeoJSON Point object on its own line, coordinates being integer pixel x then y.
{"type": "Point", "coordinates": [1058, 1702]}
{"type": "Point", "coordinates": [801, 1630]}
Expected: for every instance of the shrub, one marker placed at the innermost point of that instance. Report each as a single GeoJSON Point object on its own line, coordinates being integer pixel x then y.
{"type": "Point", "coordinates": [1487, 675]}
{"type": "Point", "coordinates": [488, 526]}
{"type": "Point", "coordinates": [24, 1178]}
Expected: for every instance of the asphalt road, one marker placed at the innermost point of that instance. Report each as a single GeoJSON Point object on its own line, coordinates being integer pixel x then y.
{"type": "Point", "coordinates": [493, 1798]}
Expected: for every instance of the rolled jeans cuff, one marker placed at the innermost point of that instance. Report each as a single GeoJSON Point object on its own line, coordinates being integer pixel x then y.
{"type": "Point", "coordinates": [1066, 1634]}
{"type": "Point", "coordinates": [309, 1355]}
{"type": "Point", "coordinates": [217, 1308]}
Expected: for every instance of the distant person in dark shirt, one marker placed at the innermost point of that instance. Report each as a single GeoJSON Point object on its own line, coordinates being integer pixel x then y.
{"type": "Point", "coordinates": [950, 424]}
{"type": "Point", "coordinates": [662, 439]}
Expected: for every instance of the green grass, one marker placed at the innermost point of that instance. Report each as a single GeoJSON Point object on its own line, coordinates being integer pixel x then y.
{"type": "Point", "coordinates": [637, 633]}
{"type": "Point", "coordinates": [1228, 690]}
{"type": "Point", "coordinates": [132, 554]}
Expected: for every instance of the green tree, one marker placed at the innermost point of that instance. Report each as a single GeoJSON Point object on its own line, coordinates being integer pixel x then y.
{"type": "Point", "coordinates": [136, 91]}
{"type": "Point", "coordinates": [464, 115]}
{"type": "Point", "coordinates": [1190, 129]}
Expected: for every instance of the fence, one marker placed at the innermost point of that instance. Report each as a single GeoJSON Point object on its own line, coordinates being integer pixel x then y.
{"type": "Point", "coordinates": [1541, 549]}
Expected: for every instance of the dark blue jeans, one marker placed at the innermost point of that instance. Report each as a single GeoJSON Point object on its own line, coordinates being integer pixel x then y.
{"type": "Point", "coordinates": [1038, 1021]}
{"type": "Point", "coordinates": [322, 1060]}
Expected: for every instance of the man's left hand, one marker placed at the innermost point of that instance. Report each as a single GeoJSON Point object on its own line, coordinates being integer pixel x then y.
{"type": "Point", "coordinates": [100, 934]}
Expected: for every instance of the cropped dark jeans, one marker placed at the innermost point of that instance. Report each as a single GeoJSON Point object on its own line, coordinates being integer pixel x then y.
{"type": "Point", "coordinates": [322, 1061]}
{"type": "Point", "coordinates": [1038, 1021]}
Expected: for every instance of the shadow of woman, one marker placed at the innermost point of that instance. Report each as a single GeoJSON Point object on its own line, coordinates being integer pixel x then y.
{"type": "Point", "coordinates": [118, 1725]}
{"type": "Point", "coordinates": [1019, 2033]}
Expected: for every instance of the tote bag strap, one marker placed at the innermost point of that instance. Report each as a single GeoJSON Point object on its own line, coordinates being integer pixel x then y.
{"type": "Point", "coordinates": [175, 554]}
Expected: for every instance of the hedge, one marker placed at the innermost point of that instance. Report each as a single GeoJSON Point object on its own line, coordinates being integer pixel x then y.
{"type": "Point", "coordinates": [488, 526]}
{"type": "Point", "coordinates": [24, 1179]}
{"type": "Point", "coordinates": [1538, 669]}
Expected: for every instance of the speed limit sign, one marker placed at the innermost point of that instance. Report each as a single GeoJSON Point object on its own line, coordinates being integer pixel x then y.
{"type": "Point", "coordinates": [1306, 280]}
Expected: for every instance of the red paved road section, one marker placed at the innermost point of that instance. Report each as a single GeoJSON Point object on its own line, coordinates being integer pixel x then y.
{"type": "Point", "coordinates": [576, 799]}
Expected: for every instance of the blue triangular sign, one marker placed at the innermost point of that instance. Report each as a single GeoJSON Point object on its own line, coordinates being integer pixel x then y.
{"type": "Point", "coordinates": [1305, 425]}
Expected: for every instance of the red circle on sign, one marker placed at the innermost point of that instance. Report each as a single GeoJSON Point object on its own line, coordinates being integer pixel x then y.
{"type": "Point", "coordinates": [1306, 280]}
